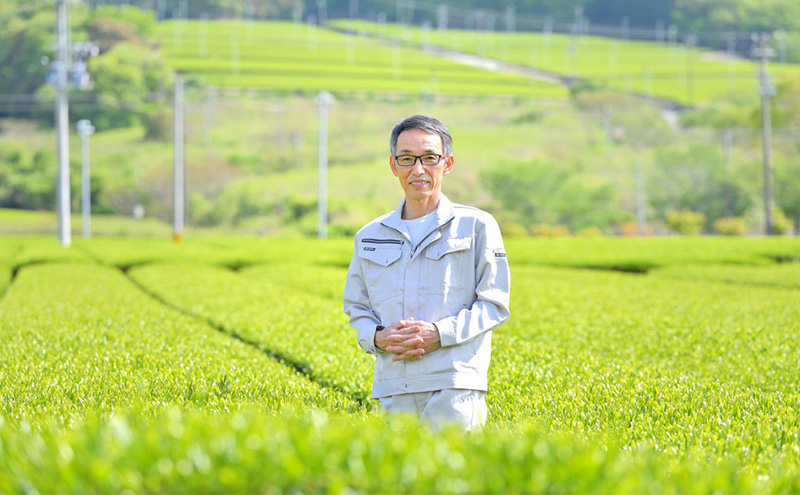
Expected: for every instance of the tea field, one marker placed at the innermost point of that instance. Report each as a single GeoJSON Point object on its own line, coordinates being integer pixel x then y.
{"type": "Point", "coordinates": [653, 365]}
{"type": "Point", "coordinates": [289, 57]}
{"type": "Point", "coordinates": [662, 69]}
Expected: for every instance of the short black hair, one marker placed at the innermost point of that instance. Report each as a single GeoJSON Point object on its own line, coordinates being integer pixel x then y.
{"type": "Point", "coordinates": [423, 123]}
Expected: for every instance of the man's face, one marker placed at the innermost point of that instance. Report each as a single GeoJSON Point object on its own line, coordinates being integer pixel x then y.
{"type": "Point", "coordinates": [420, 182]}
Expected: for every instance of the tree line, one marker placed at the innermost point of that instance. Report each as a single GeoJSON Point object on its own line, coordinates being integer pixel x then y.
{"type": "Point", "coordinates": [687, 16]}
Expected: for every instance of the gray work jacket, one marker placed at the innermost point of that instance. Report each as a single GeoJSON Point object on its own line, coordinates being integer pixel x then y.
{"type": "Point", "coordinates": [457, 277]}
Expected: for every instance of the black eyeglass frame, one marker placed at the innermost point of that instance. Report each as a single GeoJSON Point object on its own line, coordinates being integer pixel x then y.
{"type": "Point", "coordinates": [419, 157]}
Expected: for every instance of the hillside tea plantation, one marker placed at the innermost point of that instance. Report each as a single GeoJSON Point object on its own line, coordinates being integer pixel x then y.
{"type": "Point", "coordinates": [662, 69]}
{"type": "Point", "coordinates": [226, 365]}
{"type": "Point", "coordinates": [285, 56]}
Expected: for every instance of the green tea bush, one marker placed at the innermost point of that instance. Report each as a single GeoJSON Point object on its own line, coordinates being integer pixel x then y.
{"type": "Point", "coordinates": [693, 369]}
{"type": "Point", "coordinates": [786, 275]}
{"type": "Point", "coordinates": [191, 451]}
{"type": "Point", "coordinates": [685, 222]}
{"type": "Point", "coordinates": [308, 331]}
{"type": "Point", "coordinates": [81, 338]}
{"type": "Point", "coordinates": [142, 365]}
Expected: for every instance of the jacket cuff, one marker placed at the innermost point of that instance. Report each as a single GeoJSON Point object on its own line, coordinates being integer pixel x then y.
{"type": "Point", "coordinates": [366, 337]}
{"type": "Point", "coordinates": [447, 331]}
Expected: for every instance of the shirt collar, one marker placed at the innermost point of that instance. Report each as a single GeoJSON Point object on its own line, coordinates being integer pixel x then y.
{"type": "Point", "coordinates": [444, 213]}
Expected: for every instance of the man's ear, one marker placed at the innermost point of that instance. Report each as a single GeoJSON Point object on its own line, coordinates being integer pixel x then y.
{"type": "Point", "coordinates": [448, 165]}
{"type": "Point", "coordinates": [393, 166]}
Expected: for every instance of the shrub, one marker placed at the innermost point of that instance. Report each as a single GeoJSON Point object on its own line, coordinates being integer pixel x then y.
{"type": "Point", "coordinates": [590, 232]}
{"type": "Point", "coordinates": [685, 222]}
{"type": "Point", "coordinates": [513, 229]}
{"type": "Point", "coordinates": [730, 226]}
{"type": "Point", "coordinates": [545, 230]}
{"type": "Point", "coordinates": [781, 224]}
{"type": "Point", "coordinates": [158, 125]}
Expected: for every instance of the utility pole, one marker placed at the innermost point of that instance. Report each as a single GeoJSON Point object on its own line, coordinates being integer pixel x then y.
{"type": "Point", "coordinates": [324, 100]}
{"type": "Point", "coordinates": [61, 76]}
{"type": "Point", "coordinates": [178, 161]}
{"type": "Point", "coordinates": [441, 17]}
{"type": "Point", "coordinates": [85, 129]}
{"type": "Point", "coordinates": [767, 90]}
{"type": "Point", "coordinates": [322, 12]}
{"type": "Point", "coordinates": [691, 42]}
{"type": "Point", "coordinates": [641, 212]}
{"type": "Point", "coordinates": [727, 142]}
{"type": "Point", "coordinates": [62, 124]}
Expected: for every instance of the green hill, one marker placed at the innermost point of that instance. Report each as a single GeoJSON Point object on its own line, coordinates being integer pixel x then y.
{"type": "Point", "coordinates": [296, 57]}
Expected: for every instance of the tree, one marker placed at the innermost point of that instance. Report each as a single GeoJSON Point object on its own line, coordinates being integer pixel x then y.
{"type": "Point", "coordinates": [542, 193]}
{"type": "Point", "coordinates": [610, 12]}
{"type": "Point", "coordinates": [24, 41]}
{"type": "Point", "coordinates": [787, 189]}
{"type": "Point", "coordinates": [694, 179]}
{"type": "Point", "coordinates": [27, 180]}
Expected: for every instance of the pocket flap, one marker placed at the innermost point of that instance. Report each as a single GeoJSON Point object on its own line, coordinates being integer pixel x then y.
{"type": "Point", "coordinates": [382, 255]}
{"type": "Point", "coordinates": [437, 250]}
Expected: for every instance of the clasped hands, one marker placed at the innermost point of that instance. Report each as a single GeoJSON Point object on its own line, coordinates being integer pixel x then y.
{"type": "Point", "coordinates": [408, 339]}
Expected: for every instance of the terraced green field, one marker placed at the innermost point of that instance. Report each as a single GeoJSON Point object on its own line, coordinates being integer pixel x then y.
{"type": "Point", "coordinates": [661, 365]}
{"type": "Point", "coordinates": [674, 71]}
{"type": "Point", "coordinates": [297, 57]}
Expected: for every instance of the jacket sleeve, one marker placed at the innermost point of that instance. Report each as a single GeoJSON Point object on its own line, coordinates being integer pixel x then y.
{"type": "Point", "coordinates": [357, 305]}
{"type": "Point", "coordinates": [492, 290]}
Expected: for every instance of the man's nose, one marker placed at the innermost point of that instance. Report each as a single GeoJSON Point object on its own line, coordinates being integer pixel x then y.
{"type": "Point", "coordinates": [418, 168]}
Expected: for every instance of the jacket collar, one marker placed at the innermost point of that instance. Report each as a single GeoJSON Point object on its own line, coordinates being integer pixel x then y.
{"type": "Point", "coordinates": [444, 212]}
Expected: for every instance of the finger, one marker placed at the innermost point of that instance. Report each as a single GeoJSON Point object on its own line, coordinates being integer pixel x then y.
{"type": "Point", "coordinates": [399, 349]}
{"type": "Point", "coordinates": [412, 354]}
{"type": "Point", "coordinates": [398, 339]}
{"type": "Point", "coordinates": [405, 331]}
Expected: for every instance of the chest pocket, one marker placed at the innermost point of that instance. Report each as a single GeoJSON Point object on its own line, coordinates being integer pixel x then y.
{"type": "Point", "coordinates": [449, 264]}
{"type": "Point", "coordinates": [381, 271]}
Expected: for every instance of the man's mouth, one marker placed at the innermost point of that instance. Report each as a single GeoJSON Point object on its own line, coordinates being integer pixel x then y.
{"type": "Point", "coordinates": [419, 183]}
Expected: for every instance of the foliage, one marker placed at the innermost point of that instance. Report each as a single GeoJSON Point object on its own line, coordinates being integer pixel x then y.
{"type": "Point", "coordinates": [738, 16]}
{"type": "Point", "coordinates": [125, 78]}
{"type": "Point", "coordinates": [724, 112]}
{"type": "Point", "coordinates": [786, 104]}
{"type": "Point", "coordinates": [684, 381]}
{"type": "Point", "coordinates": [781, 275]}
{"type": "Point", "coordinates": [540, 192]}
{"type": "Point", "coordinates": [545, 230]}
{"type": "Point", "coordinates": [686, 222]}
{"type": "Point", "coordinates": [787, 190]}
{"type": "Point", "coordinates": [108, 345]}
{"type": "Point", "coordinates": [730, 226]}
{"type": "Point", "coordinates": [781, 224]}
{"type": "Point", "coordinates": [261, 311]}
{"type": "Point", "coordinates": [27, 180]}
{"type": "Point", "coordinates": [316, 452]}
{"type": "Point", "coordinates": [110, 25]}
{"type": "Point", "coordinates": [23, 43]}
{"type": "Point", "coordinates": [695, 178]}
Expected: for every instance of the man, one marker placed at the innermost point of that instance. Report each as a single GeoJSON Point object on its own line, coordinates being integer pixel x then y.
{"type": "Point", "coordinates": [427, 284]}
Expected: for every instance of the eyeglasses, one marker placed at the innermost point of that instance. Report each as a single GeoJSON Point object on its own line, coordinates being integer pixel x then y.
{"type": "Point", "coordinates": [410, 160]}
